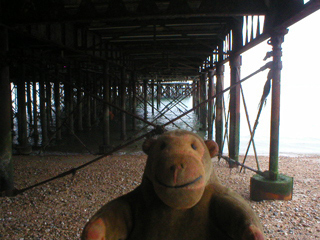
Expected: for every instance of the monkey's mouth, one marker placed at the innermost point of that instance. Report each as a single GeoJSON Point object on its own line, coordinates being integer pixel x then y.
{"type": "Point", "coordinates": [179, 186]}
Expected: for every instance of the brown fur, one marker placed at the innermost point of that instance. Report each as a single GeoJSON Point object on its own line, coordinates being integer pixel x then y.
{"type": "Point", "coordinates": [180, 197]}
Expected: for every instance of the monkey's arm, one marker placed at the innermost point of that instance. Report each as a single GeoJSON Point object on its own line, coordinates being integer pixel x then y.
{"type": "Point", "coordinates": [112, 221]}
{"type": "Point", "coordinates": [234, 216]}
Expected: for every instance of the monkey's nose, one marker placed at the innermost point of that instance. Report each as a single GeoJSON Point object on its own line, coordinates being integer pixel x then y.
{"type": "Point", "coordinates": [176, 169]}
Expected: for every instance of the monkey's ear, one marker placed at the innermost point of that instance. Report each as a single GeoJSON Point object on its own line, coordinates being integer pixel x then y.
{"type": "Point", "coordinates": [212, 147]}
{"type": "Point", "coordinates": [148, 143]}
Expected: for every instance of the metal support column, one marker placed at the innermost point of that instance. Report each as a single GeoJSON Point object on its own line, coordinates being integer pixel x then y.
{"type": "Point", "coordinates": [211, 92]}
{"type": "Point", "coordinates": [134, 99]}
{"type": "Point", "coordinates": [88, 103]}
{"type": "Point", "coordinates": [219, 105]}
{"type": "Point", "coordinates": [123, 104]}
{"type": "Point", "coordinates": [69, 101]}
{"type": "Point", "coordinates": [80, 110]}
{"type": "Point", "coordinates": [198, 97]}
{"type": "Point", "coordinates": [276, 41]}
{"type": "Point", "coordinates": [234, 139]}
{"type": "Point", "coordinates": [43, 112]}
{"type": "Point", "coordinates": [6, 167]}
{"type": "Point", "coordinates": [22, 114]}
{"type": "Point", "coordinates": [94, 100]}
{"type": "Point", "coordinates": [35, 113]}
{"type": "Point", "coordinates": [106, 108]}
{"type": "Point", "coordinates": [159, 90]}
{"type": "Point", "coordinates": [203, 97]}
{"type": "Point", "coordinates": [48, 98]}
{"type": "Point", "coordinates": [57, 107]}
{"type": "Point", "coordinates": [145, 97]}
{"type": "Point", "coordinates": [194, 93]}
{"type": "Point", "coordinates": [152, 95]}
{"type": "Point", "coordinates": [273, 186]}
{"type": "Point", "coordinates": [29, 104]}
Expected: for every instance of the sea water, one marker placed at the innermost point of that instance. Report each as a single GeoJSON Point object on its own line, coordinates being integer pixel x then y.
{"type": "Point", "coordinates": [293, 139]}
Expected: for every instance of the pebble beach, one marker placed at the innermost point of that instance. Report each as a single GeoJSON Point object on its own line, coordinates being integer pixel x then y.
{"type": "Point", "coordinates": [60, 209]}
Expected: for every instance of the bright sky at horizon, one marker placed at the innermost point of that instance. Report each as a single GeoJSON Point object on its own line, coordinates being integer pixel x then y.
{"type": "Point", "coordinates": [300, 90]}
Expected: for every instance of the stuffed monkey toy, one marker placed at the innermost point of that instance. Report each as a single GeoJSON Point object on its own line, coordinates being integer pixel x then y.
{"type": "Point", "coordinates": [180, 198]}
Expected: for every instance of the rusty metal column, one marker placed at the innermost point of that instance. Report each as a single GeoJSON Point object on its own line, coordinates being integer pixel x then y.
{"type": "Point", "coordinates": [159, 90]}
{"type": "Point", "coordinates": [273, 186]}
{"type": "Point", "coordinates": [6, 167]}
{"type": "Point", "coordinates": [152, 95]}
{"type": "Point", "coordinates": [95, 118]}
{"type": "Point", "coordinates": [29, 103]}
{"type": "Point", "coordinates": [235, 65]}
{"type": "Point", "coordinates": [106, 108]}
{"type": "Point", "coordinates": [57, 107]}
{"type": "Point", "coordinates": [35, 113]}
{"type": "Point", "coordinates": [43, 112]}
{"type": "Point", "coordinates": [22, 113]}
{"type": "Point", "coordinates": [79, 117]}
{"type": "Point", "coordinates": [219, 105]}
{"type": "Point", "coordinates": [80, 110]}
{"type": "Point", "coordinates": [198, 97]}
{"type": "Point", "coordinates": [48, 98]}
{"type": "Point", "coordinates": [234, 139]}
{"type": "Point", "coordinates": [203, 97]}
{"type": "Point", "coordinates": [69, 101]}
{"type": "Point", "coordinates": [194, 93]}
{"type": "Point", "coordinates": [88, 102]}
{"type": "Point", "coordinates": [211, 92]}
{"type": "Point", "coordinates": [145, 98]}
{"type": "Point", "coordinates": [123, 104]}
{"type": "Point", "coordinates": [276, 41]}
{"type": "Point", "coordinates": [134, 99]}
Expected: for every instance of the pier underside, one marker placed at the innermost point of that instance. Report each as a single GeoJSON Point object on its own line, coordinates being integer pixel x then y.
{"type": "Point", "coordinates": [121, 70]}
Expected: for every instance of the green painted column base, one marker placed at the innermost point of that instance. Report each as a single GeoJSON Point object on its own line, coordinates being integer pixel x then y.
{"type": "Point", "coordinates": [264, 189]}
{"type": "Point", "coordinates": [103, 149]}
{"type": "Point", "coordinates": [24, 150]}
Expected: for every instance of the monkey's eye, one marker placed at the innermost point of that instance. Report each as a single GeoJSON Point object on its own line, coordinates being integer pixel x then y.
{"type": "Point", "coordinates": [162, 146]}
{"type": "Point", "coordinates": [194, 146]}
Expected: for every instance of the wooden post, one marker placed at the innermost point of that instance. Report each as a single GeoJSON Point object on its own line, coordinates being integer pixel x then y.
{"type": "Point", "coordinates": [219, 105]}
{"type": "Point", "coordinates": [6, 167]}
{"type": "Point", "coordinates": [203, 97]}
{"type": "Point", "coordinates": [211, 93]}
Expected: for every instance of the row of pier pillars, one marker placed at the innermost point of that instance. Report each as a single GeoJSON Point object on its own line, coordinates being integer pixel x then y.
{"type": "Point", "coordinates": [51, 103]}
{"type": "Point", "coordinates": [56, 99]}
